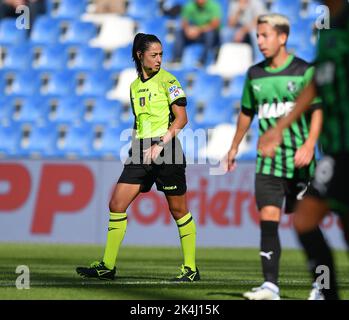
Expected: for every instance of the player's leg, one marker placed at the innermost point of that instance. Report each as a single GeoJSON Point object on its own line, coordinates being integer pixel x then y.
{"type": "Point", "coordinates": [133, 180]}
{"type": "Point", "coordinates": [187, 233]}
{"type": "Point", "coordinates": [122, 197]}
{"type": "Point", "coordinates": [170, 179]}
{"type": "Point", "coordinates": [269, 197]}
{"type": "Point", "coordinates": [308, 216]}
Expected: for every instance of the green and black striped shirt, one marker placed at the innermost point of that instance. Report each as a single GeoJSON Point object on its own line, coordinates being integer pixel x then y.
{"type": "Point", "coordinates": [332, 81]}
{"type": "Point", "coordinates": [271, 93]}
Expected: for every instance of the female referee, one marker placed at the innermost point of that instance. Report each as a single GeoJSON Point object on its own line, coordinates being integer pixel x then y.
{"type": "Point", "coordinates": [156, 155]}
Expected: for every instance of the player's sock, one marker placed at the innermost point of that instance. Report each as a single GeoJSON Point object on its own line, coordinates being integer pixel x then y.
{"type": "Point", "coordinates": [319, 253]}
{"type": "Point", "coordinates": [270, 250]}
{"type": "Point", "coordinates": [187, 233]}
{"type": "Point", "coordinates": [116, 232]}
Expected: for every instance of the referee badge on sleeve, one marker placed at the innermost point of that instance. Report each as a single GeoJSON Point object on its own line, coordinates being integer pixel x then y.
{"type": "Point", "coordinates": [142, 101]}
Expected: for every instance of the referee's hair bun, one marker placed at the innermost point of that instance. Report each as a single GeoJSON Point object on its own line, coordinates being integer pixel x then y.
{"type": "Point", "coordinates": [139, 36]}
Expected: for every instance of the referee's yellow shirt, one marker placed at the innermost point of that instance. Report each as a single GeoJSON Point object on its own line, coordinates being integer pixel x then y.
{"type": "Point", "coordinates": [151, 102]}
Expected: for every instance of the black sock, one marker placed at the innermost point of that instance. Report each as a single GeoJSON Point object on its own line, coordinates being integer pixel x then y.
{"type": "Point", "coordinates": [270, 250]}
{"type": "Point", "coordinates": [318, 253]}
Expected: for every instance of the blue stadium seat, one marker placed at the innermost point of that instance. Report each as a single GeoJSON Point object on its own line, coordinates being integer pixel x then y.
{"type": "Point", "coordinates": [77, 142]}
{"type": "Point", "coordinates": [216, 111]}
{"type": "Point", "coordinates": [79, 32]}
{"type": "Point", "coordinates": [50, 6]}
{"type": "Point", "coordinates": [137, 10]}
{"type": "Point", "coordinates": [25, 83]}
{"type": "Point", "coordinates": [3, 82]}
{"type": "Point", "coordinates": [157, 26]}
{"type": "Point", "coordinates": [50, 58]}
{"type": "Point", "coordinates": [127, 118]}
{"type": "Point", "coordinates": [191, 109]}
{"type": "Point", "coordinates": [291, 8]}
{"type": "Point", "coordinates": [236, 86]}
{"type": "Point", "coordinates": [167, 48]}
{"type": "Point", "coordinates": [301, 33]}
{"type": "Point", "coordinates": [121, 59]}
{"type": "Point", "coordinates": [6, 110]}
{"type": "Point", "coordinates": [10, 34]}
{"type": "Point", "coordinates": [109, 144]}
{"type": "Point", "coordinates": [311, 9]}
{"type": "Point", "coordinates": [10, 137]}
{"type": "Point", "coordinates": [104, 111]}
{"type": "Point", "coordinates": [61, 83]}
{"type": "Point", "coordinates": [94, 83]}
{"type": "Point", "coordinates": [224, 4]}
{"type": "Point", "coordinates": [70, 9]}
{"type": "Point", "coordinates": [64, 110]}
{"type": "Point", "coordinates": [181, 76]}
{"type": "Point", "coordinates": [41, 142]}
{"type": "Point", "coordinates": [88, 58]}
{"type": "Point", "coordinates": [46, 30]}
{"type": "Point", "coordinates": [17, 58]}
{"type": "Point", "coordinates": [171, 3]}
{"type": "Point", "coordinates": [206, 86]}
{"type": "Point", "coordinates": [308, 54]}
{"type": "Point", "coordinates": [191, 55]}
{"type": "Point", "coordinates": [28, 110]}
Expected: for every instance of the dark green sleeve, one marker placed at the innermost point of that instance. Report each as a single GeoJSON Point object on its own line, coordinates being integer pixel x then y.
{"type": "Point", "coordinates": [308, 77]}
{"type": "Point", "coordinates": [247, 101]}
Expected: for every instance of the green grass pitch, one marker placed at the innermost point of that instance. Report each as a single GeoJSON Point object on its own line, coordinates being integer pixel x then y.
{"type": "Point", "coordinates": [143, 273]}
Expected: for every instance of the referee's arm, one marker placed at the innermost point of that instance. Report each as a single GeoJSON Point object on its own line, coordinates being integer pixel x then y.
{"type": "Point", "coordinates": [178, 124]}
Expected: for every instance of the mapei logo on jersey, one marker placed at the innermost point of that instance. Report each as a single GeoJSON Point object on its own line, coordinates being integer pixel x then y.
{"type": "Point", "coordinates": [292, 86]}
{"type": "Point", "coordinates": [274, 110]}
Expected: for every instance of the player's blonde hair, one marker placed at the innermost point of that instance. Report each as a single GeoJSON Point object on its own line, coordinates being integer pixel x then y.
{"type": "Point", "coordinates": [278, 21]}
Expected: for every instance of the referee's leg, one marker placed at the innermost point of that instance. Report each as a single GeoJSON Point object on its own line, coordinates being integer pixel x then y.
{"type": "Point", "coordinates": [186, 228]}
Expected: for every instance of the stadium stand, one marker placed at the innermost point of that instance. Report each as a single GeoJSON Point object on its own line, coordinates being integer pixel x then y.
{"type": "Point", "coordinates": [74, 70]}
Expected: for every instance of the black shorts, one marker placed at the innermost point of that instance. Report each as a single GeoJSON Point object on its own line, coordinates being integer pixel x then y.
{"type": "Point", "coordinates": [168, 172]}
{"type": "Point", "coordinates": [330, 182]}
{"type": "Point", "coordinates": [273, 191]}
{"type": "Point", "coordinates": [169, 178]}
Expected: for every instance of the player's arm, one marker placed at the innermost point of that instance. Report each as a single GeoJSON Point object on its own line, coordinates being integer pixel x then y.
{"type": "Point", "coordinates": [272, 138]}
{"type": "Point", "coordinates": [243, 124]}
{"type": "Point", "coordinates": [305, 153]}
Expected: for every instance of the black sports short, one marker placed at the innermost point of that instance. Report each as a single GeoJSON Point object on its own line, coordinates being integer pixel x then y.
{"type": "Point", "coordinates": [330, 181]}
{"type": "Point", "coordinates": [168, 173]}
{"type": "Point", "coordinates": [273, 191]}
